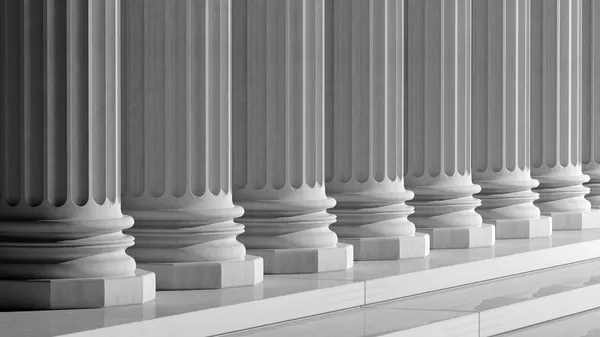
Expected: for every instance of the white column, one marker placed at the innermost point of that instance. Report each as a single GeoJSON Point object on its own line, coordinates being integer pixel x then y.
{"type": "Point", "coordinates": [439, 125]}
{"type": "Point", "coordinates": [61, 240]}
{"type": "Point", "coordinates": [278, 130]}
{"type": "Point", "coordinates": [364, 129]}
{"type": "Point", "coordinates": [556, 119]}
{"type": "Point", "coordinates": [501, 119]}
{"type": "Point", "coordinates": [176, 144]}
{"type": "Point", "coordinates": [591, 98]}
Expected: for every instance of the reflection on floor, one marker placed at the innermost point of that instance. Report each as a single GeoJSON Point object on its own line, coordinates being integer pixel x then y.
{"type": "Point", "coordinates": [586, 324]}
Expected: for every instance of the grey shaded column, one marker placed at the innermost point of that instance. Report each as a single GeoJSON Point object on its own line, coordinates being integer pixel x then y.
{"type": "Point", "coordinates": [61, 240]}
{"type": "Point", "coordinates": [278, 136]}
{"type": "Point", "coordinates": [556, 114]}
{"type": "Point", "coordinates": [438, 164]}
{"type": "Point", "coordinates": [591, 98]}
{"type": "Point", "coordinates": [364, 129]}
{"type": "Point", "coordinates": [176, 144]}
{"type": "Point", "coordinates": [501, 119]}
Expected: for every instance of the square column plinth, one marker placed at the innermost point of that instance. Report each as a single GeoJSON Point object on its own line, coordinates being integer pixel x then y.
{"type": "Point", "coordinates": [389, 248]}
{"type": "Point", "coordinates": [207, 275]}
{"type": "Point", "coordinates": [461, 237]}
{"type": "Point", "coordinates": [523, 228]}
{"type": "Point", "coordinates": [77, 293]}
{"type": "Point", "coordinates": [306, 260]}
{"type": "Point", "coordinates": [575, 220]}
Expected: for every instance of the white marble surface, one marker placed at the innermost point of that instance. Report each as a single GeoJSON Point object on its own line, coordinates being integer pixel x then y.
{"type": "Point", "coordinates": [376, 322]}
{"type": "Point", "coordinates": [288, 297]}
{"type": "Point", "coordinates": [586, 324]}
{"type": "Point", "coordinates": [519, 301]}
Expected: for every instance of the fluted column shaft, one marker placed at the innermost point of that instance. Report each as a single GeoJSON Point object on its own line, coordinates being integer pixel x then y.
{"type": "Point", "coordinates": [278, 130]}
{"type": "Point", "coordinates": [501, 118]}
{"type": "Point", "coordinates": [176, 142]}
{"type": "Point", "coordinates": [591, 98]}
{"type": "Point", "coordinates": [556, 119]}
{"type": "Point", "coordinates": [60, 205]}
{"type": "Point", "coordinates": [439, 124]}
{"type": "Point", "coordinates": [365, 127]}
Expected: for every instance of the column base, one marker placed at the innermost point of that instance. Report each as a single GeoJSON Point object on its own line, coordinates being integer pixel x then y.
{"type": "Point", "coordinates": [207, 275]}
{"type": "Point", "coordinates": [565, 221]}
{"type": "Point", "coordinates": [306, 260]}
{"type": "Point", "coordinates": [83, 293]}
{"type": "Point", "coordinates": [461, 237]}
{"type": "Point", "coordinates": [523, 228]}
{"type": "Point", "coordinates": [389, 248]}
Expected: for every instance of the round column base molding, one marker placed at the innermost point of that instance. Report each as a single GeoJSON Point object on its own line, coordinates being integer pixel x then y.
{"type": "Point", "coordinates": [389, 248]}
{"type": "Point", "coordinates": [522, 228]}
{"type": "Point", "coordinates": [568, 221]}
{"type": "Point", "coordinates": [77, 293]}
{"type": "Point", "coordinates": [594, 196]}
{"type": "Point", "coordinates": [306, 260]}
{"type": "Point", "coordinates": [461, 237]}
{"type": "Point", "coordinates": [207, 275]}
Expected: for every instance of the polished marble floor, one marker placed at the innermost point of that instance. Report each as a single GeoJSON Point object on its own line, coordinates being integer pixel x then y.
{"type": "Point", "coordinates": [288, 297]}
{"type": "Point", "coordinates": [375, 321]}
{"type": "Point", "coordinates": [482, 309]}
{"type": "Point", "coordinates": [586, 324]}
{"type": "Point", "coordinates": [522, 300]}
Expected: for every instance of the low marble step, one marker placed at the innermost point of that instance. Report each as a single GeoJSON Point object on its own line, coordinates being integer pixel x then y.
{"type": "Point", "coordinates": [483, 309]}
{"type": "Point", "coordinates": [515, 302]}
{"type": "Point", "coordinates": [376, 321]}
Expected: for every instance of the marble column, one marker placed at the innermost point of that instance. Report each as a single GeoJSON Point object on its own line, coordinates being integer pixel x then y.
{"type": "Point", "coordinates": [501, 118]}
{"type": "Point", "coordinates": [177, 144]}
{"type": "Point", "coordinates": [364, 129]}
{"type": "Point", "coordinates": [556, 118]}
{"type": "Point", "coordinates": [438, 164]}
{"type": "Point", "coordinates": [591, 98]}
{"type": "Point", "coordinates": [278, 136]}
{"type": "Point", "coordinates": [61, 239]}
